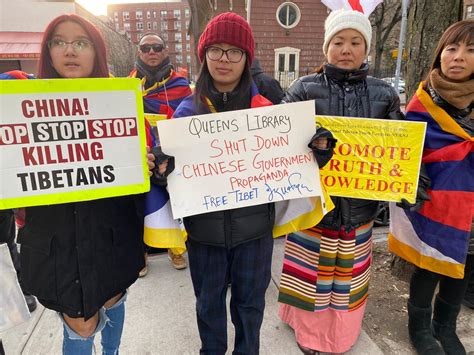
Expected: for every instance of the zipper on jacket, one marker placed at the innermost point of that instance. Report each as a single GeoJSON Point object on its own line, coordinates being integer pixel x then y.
{"type": "Point", "coordinates": [224, 98]}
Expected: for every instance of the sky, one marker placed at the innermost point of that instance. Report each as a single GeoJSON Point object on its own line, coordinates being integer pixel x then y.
{"type": "Point", "coordinates": [99, 7]}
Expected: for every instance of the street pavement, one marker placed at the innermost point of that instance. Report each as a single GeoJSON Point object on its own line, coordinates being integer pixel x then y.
{"type": "Point", "coordinates": [160, 319]}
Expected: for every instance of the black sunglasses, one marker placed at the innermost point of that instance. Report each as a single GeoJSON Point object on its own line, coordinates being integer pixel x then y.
{"type": "Point", "coordinates": [157, 48]}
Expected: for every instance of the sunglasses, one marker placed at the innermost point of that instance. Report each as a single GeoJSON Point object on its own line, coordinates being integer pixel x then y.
{"type": "Point", "coordinates": [146, 48]}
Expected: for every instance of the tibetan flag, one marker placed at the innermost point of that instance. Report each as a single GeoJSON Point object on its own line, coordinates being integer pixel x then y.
{"type": "Point", "coordinates": [161, 230]}
{"type": "Point", "coordinates": [436, 237]}
{"type": "Point", "coordinates": [164, 97]}
{"type": "Point", "coordinates": [299, 214]}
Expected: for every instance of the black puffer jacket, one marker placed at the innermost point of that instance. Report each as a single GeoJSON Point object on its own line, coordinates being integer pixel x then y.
{"type": "Point", "coordinates": [340, 92]}
{"type": "Point", "coordinates": [267, 86]}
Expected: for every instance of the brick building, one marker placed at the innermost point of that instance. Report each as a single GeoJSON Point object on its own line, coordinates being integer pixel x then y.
{"type": "Point", "coordinates": [170, 18]}
{"type": "Point", "coordinates": [289, 35]}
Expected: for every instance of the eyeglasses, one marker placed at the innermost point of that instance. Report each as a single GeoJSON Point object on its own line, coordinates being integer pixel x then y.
{"type": "Point", "coordinates": [157, 48]}
{"type": "Point", "coordinates": [78, 45]}
{"type": "Point", "coordinates": [234, 55]}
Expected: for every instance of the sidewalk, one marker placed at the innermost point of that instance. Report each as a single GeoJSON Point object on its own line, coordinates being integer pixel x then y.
{"type": "Point", "coordinates": [160, 319]}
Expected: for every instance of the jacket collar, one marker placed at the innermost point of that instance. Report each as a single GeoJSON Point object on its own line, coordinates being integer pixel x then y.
{"type": "Point", "coordinates": [338, 74]}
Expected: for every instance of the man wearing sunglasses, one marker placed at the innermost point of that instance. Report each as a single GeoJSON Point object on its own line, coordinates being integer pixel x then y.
{"type": "Point", "coordinates": [163, 90]}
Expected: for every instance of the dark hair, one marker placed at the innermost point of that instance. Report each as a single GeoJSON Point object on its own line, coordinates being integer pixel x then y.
{"type": "Point", "coordinates": [204, 86]}
{"type": "Point", "coordinates": [146, 34]}
{"type": "Point", "coordinates": [459, 32]}
{"type": "Point", "coordinates": [45, 67]}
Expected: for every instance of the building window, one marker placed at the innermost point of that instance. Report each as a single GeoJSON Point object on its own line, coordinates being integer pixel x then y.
{"type": "Point", "coordinates": [139, 36]}
{"type": "Point", "coordinates": [177, 14]}
{"type": "Point", "coordinates": [163, 13]}
{"type": "Point", "coordinates": [126, 15]}
{"type": "Point", "coordinates": [470, 12]}
{"type": "Point", "coordinates": [117, 27]}
{"type": "Point", "coordinates": [186, 13]}
{"type": "Point", "coordinates": [139, 15]}
{"type": "Point", "coordinates": [179, 59]}
{"type": "Point", "coordinates": [164, 26]}
{"type": "Point", "coordinates": [178, 47]}
{"type": "Point", "coordinates": [148, 26]}
{"type": "Point", "coordinates": [187, 24]}
{"type": "Point", "coordinates": [287, 61]}
{"type": "Point", "coordinates": [155, 25]}
{"type": "Point", "coordinates": [188, 59]}
{"type": "Point", "coordinates": [288, 15]}
{"type": "Point", "coordinates": [177, 37]}
{"type": "Point", "coordinates": [126, 27]}
{"type": "Point", "coordinates": [154, 14]}
{"type": "Point", "coordinates": [177, 25]}
{"type": "Point", "coordinates": [165, 36]}
{"type": "Point", "coordinates": [148, 15]}
{"type": "Point", "coordinates": [188, 47]}
{"type": "Point", "coordinates": [116, 16]}
{"type": "Point", "coordinates": [139, 25]}
{"type": "Point", "coordinates": [188, 37]}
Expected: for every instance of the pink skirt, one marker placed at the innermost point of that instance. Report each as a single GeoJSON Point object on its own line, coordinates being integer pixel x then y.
{"type": "Point", "coordinates": [327, 331]}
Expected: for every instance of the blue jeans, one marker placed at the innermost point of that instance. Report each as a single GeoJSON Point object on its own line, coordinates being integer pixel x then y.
{"type": "Point", "coordinates": [110, 325]}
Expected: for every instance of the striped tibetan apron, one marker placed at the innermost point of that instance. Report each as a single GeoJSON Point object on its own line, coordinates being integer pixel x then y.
{"type": "Point", "coordinates": [325, 268]}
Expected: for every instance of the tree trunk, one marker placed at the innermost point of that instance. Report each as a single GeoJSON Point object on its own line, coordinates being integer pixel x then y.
{"type": "Point", "coordinates": [378, 61]}
{"type": "Point", "coordinates": [195, 26]}
{"type": "Point", "coordinates": [427, 20]}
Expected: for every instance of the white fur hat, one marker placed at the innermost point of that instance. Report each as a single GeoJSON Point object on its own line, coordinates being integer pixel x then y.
{"type": "Point", "coordinates": [347, 19]}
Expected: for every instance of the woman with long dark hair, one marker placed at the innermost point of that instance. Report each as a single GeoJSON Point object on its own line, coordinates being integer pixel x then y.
{"type": "Point", "coordinates": [232, 246]}
{"type": "Point", "coordinates": [79, 258]}
{"type": "Point", "coordinates": [443, 226]}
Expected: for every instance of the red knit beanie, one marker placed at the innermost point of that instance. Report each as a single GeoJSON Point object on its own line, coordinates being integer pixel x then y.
{"type": "Point", "coordinates": [227, 28]}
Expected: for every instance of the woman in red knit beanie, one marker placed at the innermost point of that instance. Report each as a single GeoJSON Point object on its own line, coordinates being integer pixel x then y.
{"type": "Point", "coordinates": [232, 246]}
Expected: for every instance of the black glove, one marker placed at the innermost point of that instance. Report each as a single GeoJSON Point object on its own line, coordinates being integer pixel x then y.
{"type": "Point", "coordinates": [161, 157]}
{"type": "Point", "coordinates": [323, 156]}
{"type": "Point", "coordinates": [424, 183]}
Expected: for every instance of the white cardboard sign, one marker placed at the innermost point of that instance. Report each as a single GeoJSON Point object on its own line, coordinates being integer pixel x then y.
{"type": "Point", "coordinates": [240, 158]}
{"type": "Point", "coordinates": [73, 145]}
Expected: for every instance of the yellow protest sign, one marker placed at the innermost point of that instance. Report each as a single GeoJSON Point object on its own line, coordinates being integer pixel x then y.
{"type": "Point", "coordinates": [373, 159]}
{"type": "Point", "coordinates": [71, 140]}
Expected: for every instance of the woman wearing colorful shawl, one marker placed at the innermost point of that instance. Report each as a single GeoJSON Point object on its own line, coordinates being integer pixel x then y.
{"type": "Point", "coordinates": [232, 246]}
{"type": "Point", "coordinates": [326, 269]}
{"type": "Point", "coordinates": [439, 237]}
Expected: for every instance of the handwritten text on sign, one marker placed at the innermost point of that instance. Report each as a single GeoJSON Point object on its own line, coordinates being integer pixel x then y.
{"type": "Point", "coordinates": [240, 158]}
{"type": "Point", "coordinates": [60, 147]}
{"type": "Point", "coordinates": [374, 159]}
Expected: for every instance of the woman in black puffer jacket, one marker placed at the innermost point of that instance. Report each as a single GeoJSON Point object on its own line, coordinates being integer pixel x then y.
{"type": "Point", "coordinates": [326, 273]}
